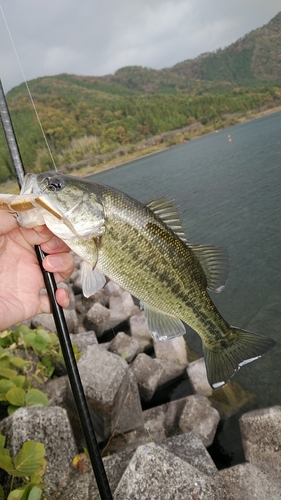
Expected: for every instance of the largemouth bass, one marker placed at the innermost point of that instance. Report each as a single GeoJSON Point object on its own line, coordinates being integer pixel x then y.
{"type": "Point", "coordinates": [142, 247]}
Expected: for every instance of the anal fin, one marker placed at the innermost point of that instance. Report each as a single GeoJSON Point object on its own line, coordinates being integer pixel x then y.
{"type": "Point", "coordinates": [162, 326]}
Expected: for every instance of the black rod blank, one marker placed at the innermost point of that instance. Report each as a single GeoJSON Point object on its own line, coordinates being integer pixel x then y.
{"type": "Point", "coordinates": [60, 322]}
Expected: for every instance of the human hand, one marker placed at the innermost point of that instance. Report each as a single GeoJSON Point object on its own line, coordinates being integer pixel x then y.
{"type": "Point", "coordinates": [21, 278]}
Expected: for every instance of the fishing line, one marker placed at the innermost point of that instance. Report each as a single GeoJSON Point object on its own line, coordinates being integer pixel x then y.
{"type": "Point", "coordinates": [60, 322]}
{"type": "Point", "coordinates": [28, 89]}
{"type": "Point", "coordinates": [59, 318]}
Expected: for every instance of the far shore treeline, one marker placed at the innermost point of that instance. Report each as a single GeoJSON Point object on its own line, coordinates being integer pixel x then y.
{"type": "Point", "coordinates": [91, 121]}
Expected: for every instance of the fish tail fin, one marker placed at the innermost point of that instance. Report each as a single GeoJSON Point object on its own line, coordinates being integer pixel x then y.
{"type": "Point", "coordinates": [240, 348]}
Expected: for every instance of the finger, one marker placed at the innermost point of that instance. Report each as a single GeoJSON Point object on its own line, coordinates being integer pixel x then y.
{"type": "Point", "coordinates": [62, 297]}
{"type": "Point", "coordinates": [36, 235]}
{"type": "Point", "coordinates": [44, 302]}
{"type": "Point", "coordinates": [3, 240]}
{"type": "Point", "coordinates": [54, 245]}
{"type": "Point", "coordinates": [7, 222]}
{"type": "Point", "coordinates": [61, 264]}
{"type": "Point", "coordinates": [41, 235]}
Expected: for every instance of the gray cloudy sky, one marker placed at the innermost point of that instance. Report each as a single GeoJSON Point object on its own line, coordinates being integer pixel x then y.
{"type": "Point", "coordinates": [96, 37]}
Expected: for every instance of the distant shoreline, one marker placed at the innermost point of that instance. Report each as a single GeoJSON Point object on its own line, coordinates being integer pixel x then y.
{"type": "Point", "coordinates": [10, 186]}
{"type": "Point", "coordinates": [159, 149]}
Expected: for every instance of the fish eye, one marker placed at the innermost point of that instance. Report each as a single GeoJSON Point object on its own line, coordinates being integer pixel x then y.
{"type": "Point", "coordinates": [54, 185]}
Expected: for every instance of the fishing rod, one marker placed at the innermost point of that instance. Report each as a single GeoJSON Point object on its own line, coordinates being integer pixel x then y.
{"type": "Point", "coordinates": [60, 322]}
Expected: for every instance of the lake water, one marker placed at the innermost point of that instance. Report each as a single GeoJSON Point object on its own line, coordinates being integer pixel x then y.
{"type": "Point", "coordinates": [229, 195]}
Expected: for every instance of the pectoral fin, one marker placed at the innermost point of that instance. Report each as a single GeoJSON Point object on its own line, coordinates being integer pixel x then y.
{"type": "Point", "coordinates": [92, 279]}
{"type": "Point", "coordinates": [162, 326]}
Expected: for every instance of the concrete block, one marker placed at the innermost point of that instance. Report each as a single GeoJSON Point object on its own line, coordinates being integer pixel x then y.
{"type": "Point", "coordinates": [153, 474]}
{"type": "Point", "coordinates": [198, 377]}
{"type": "Point", "coordinates": [248, 482]}
{"type": "Point", "coordinates": [189, 447]}
{"type": "Point", "coordinates": [125, 346]}
{"type": "Point", "coordinates": [47, 321]}
{"type": "Point", "coordinates": [139, 330]}
{"type": "Point", "coordinates": [50, 426]}
{"type": "Point", "coordinates": [131, 415]}
{"type": "Point", "coordinates": [171, 371]}
{"type": "Point", "coordinates": [106, 381]}
{"type": "Point", "coordinates": [261, 439]}
{"type": "Point", "coordinates": [84, 340]}
{"type": "Point", "coordinates": [147, 373]}
{"type": "Point", "coordinates": [97, 319]}
{"type": "Point", "coordinates": [198, 416]}
{"type": "Point", "coordinates": [173, 350]}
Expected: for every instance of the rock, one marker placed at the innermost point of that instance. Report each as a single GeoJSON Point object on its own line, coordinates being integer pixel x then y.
{"type": "Point", "coordinates": [246, 481]}
{"type": "Point", "coordinates": [115, 467]}
{"type": "Point", "coordinates": [125, 346]}
{"type": "Point", "coordinates": [56, 390]}
{"type": "Point", "coordinates": [261, 438]}
{"type": "Point", "coordinates": [78, 487]}
{"type": "Point", "coordinates": [71, 320]}
{"type": "Point", "coordinates": [154, 473]}
{"type": "Point", "coordinates": [47, 321]}
{"type": "Point", "coordinates": [192, 413]}
{"type": "Point", "coordinates": [84, 340]}
{"type": "Point", "coordinates": [128, 441]}
{"type": "Point", "coordinates": [162, 421]}
{"type": "Point", "coordinates": [106, 381]}
{"type": "Point", "coordinates": [148, 374]}
{"type": "Point", "coordinates": [97, 319]}
{"type": "Point", "coordinates": [261, 431]}
{"type": "Point", "coordinates": [112, 288]}
{"type": "Point", "coordinates": [154, 423]}
{"type": "Point", "coordinates": [139, 330]}
{"type": "Point", "coordinates": [82, 484]}
{"type": "Point", "coordinates": [50, 426]}
{"type": "Point", "coordinates": [171, 371]}
{"type": "Point", "coordinates": [116, 318]}
{"type": "Point", "coordinates": [105, 345]}
{"type": "Point", "coordinates": [190, 448]}
{"type": "Point", "coordinates": [87, 302]}
{"type": "Point", "coordinates": [172, 350]}
{"type": "Point", "coordinates": [102, 319]}
{"type": "Point", "coordinates": [83, 305]}
{"type": "Point", "coordinates": [198, 416]}
{"type": "Point", "coordinates": [198, 377]}
{"type": "Point", "coordinates": [154, 429]}
{"type": "Point", "coordinates": [76, 282]}
{"type": "Point", "coordinates": [173, 415]}
{"type": "Point", "coordinates": [130, 415]}
{"type": "Point", "coordinates": [123, 303]}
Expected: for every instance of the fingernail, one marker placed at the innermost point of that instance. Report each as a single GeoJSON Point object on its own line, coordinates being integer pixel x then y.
{"type": "Point", "coordinates": [54, 261]}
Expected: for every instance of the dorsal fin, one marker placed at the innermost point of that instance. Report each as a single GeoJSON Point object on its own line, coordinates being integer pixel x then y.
{"type": "Point", "coordinates": [169, 214]}
{"type": "Point", "coordinates": [215, 264]}
{"type": "Point", "coordinates": [214, 260]}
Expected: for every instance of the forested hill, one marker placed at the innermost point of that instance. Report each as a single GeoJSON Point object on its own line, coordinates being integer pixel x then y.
{"type": "Point", "coordinates": [90, 120]}
{"type": "Point", "coordinates": [253, 59]}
